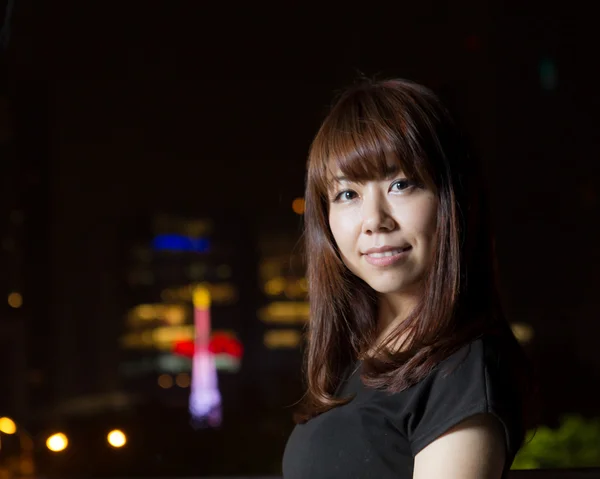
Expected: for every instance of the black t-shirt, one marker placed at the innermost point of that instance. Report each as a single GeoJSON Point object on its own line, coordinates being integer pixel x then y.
{"type": "Point", "coordinates": [378, 434]}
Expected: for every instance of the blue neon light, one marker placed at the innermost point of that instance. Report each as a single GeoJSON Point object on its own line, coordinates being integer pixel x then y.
{"type": "Point", "coordinates": [175, 242]}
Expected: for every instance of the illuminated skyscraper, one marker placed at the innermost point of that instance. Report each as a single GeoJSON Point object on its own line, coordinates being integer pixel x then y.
{"type": "Point", "coordinates": [205, 398]}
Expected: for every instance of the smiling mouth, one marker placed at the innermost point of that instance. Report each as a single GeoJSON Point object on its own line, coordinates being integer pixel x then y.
{"type": "Point", "coordinates": [389, 253]}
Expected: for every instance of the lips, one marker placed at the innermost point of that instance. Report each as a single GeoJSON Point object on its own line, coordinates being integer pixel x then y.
{"type": "Point", "coordinates": [384, 251]}
{"type": "Point", "coordinates": [392, 252]}
{"type": "Point", "coordinates": [387, 255]}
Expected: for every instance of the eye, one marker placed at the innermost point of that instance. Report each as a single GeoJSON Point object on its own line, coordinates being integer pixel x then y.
{"type": "Point", "coordinates": [401, 185]}
{"type": "Point", "coordinates": [346, 195]}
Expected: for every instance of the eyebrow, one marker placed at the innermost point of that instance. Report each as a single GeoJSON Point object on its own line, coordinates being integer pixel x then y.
{"type": "Point", "coordinates": [390, 171]}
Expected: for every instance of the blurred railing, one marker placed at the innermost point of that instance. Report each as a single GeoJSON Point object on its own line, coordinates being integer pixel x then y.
{"type": "Point", "coordinates": [529, 474]}
{"type": "Point", "coordinates": [556, 474]}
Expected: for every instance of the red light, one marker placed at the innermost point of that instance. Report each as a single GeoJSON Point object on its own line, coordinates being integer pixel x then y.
{"type": "Point", "coordinates": [184, 348]}
{"type": "Point", "coordinates": [219, 344]}
{"type": "Point", "coordinates": [222, 343]}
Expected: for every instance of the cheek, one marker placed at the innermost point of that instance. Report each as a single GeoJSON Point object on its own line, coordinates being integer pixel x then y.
{"type": "Point", "coordinates": [341, 229]}
{"type": "Point", "coordinates": [338, 221]}
{"type": "Point", "coordinates": [424, 221]}
{"type": "Point", "coordinates": [334, 227]}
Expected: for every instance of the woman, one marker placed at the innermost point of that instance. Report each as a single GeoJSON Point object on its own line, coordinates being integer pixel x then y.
{"type": "Point", "coordinates": [412, 370]}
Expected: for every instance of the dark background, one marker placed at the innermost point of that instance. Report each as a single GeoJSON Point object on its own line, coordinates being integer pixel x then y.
{"type": "Point", "coordinates": [112, 111]}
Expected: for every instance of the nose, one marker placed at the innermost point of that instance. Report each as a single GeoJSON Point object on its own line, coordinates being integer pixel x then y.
{"type": "Point", "coordinates": [376, 217]}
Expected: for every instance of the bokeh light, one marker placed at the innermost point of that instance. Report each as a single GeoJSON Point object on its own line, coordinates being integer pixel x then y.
{"type": "Point", "coordinates": [15, 300]}
{"type": "Point", "coordinates": [298, 206]}
{"type": "Point", "coordinates": [57, 442]}
{"type": "Point", "coordinates": [183, 380]}
{"type": "Point", "coordinates": [116, 438]}
{"type": "Point", "coordinates": [523, 332]}
{"type": "Point", "coordinates": [165, 381]}
{"type": "Point", "coordinates": [275, 286]}
{"type": "Point", "coordinates": [7, 425]}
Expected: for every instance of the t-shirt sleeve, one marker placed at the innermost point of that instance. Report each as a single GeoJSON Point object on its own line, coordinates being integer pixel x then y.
{"type": "Point", "coordinates": [479, 378]}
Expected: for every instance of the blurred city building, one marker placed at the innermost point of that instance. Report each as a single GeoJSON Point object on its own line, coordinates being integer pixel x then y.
{"type": "Point", "coordinates": [283, 313]}
{"type": "Point", "coordinates": [24, 164]}
{"type": "Point", "coordinates": [207, 308]}
{"type": "Point", "coordinates": [257, 310]}
{"type": "Point", "coordinates": [170, 260]}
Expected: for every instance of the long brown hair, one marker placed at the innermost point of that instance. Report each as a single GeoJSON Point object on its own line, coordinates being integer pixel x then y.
{"type": "Point", "coordinates": [371, 123]}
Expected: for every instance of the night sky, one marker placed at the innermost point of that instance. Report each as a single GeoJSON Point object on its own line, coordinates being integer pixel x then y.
{"type": "Point", "coordinates": [191, 106]}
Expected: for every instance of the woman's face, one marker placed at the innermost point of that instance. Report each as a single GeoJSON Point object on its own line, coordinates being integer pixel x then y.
{"type": "Point", "coordinates": [384, 229]}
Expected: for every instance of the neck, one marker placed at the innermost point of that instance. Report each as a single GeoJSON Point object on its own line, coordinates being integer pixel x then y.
{"type": "Point", "coordinates": [393, 309]}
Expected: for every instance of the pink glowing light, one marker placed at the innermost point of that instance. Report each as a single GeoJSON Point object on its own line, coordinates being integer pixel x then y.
{"type": "Point", "coordinates": [205, 398]}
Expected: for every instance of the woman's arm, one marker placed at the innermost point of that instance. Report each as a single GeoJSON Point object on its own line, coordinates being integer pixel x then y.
{"type": "Point", "coordinates": [473, 449]}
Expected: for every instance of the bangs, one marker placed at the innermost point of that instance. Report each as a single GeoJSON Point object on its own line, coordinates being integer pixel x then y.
{"type": "Point", "coordinates": [366, 139]}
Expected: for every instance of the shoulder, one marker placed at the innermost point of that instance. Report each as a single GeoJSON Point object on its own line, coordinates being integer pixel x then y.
{"type": "Point", "coordinates": [474, 448]}
{"type": "Point", "coordinates": [480, 378]}
{"type": "Point", "coordinates": [492, 358]}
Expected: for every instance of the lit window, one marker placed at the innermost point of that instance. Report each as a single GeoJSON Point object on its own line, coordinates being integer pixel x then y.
{"type": "Point", "coordinates": [285, 312]}
{"type": "Point", "coordinates": [282, 338]}
{"type": "Point", "coordinates": [275, 286]}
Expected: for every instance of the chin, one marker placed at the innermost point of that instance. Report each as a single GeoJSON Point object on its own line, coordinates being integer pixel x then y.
{"type": "Point", "coordinates": [393, 282]}
{"type": "Point", "coordinates": [386, 291]}
{"type": "Point", "coordinates": [388, 287]}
